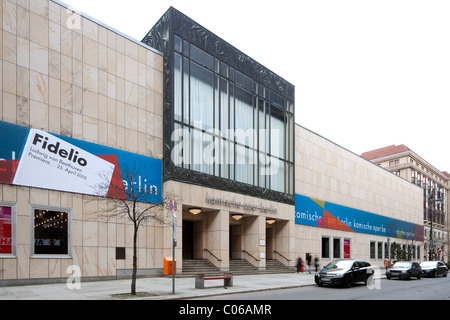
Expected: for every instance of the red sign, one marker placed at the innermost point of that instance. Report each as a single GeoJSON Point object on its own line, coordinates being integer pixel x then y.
{"type": "Point", "coordinates": [346, 248]}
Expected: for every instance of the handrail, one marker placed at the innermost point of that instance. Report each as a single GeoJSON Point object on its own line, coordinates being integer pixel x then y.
{"type": "Point", "coordinates": [207, 250]}
{"type": "Point", "coordinates": [281, 255]}
{"type": "Point", "coordinates": [245, 251]}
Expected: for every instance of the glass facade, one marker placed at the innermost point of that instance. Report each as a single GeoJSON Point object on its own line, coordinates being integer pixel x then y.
{"type": "Point", "coordinates": [231, 126]}
{"type": "Point", "coordinates": [228, 120]}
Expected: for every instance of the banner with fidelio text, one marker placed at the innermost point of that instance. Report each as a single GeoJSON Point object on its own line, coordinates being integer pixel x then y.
{"type": "Point", "coordinates": [35, 158]}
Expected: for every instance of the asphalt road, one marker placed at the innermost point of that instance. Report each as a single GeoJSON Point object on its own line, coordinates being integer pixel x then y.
{"type": "Point", "coordinates": [394, 289]}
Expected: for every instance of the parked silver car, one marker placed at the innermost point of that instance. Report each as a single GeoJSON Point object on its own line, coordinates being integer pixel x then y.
{"type": "Point", "coordinates": [404, 270]}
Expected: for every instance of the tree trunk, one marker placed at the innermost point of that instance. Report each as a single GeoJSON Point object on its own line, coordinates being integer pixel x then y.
{"type": "Point", "coordinates": [133, 276]}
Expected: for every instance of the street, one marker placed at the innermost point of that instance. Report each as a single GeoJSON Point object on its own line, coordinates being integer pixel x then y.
{"type": "Point", "coordinates": [395, 289]}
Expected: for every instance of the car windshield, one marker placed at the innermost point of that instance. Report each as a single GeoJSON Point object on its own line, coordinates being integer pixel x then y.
{"type": "Point", "coordinates": [428, 264]}
{"type": "Point", "coordinates": [402, 265]}
{"type": "Point", "coordinates": [339, 264]}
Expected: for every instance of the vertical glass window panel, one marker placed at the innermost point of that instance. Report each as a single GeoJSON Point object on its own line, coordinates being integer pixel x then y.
{"type": "Point", "coordinates": [261, 90]}
{"type": "Point", "coordinates": [178, 88]}
{"type": "Point", "coordinates": [202, 57]}
{"type": "Point", "coordinates": [202, 143]}
{"type": "Point", "coordinates": [216, 66]}
{"type": "Point", "coordinates": [291, 179]}
{"type": "Point", "coordinates": [186, 48]}
{"type": "Point", "coordinates": [210, 157]}
{"type": "Point", "coordinates": [276, 173]}
{"type": "Point", "coordinates": [290, 134]}
{"type": "Point", "coordinates": [268, 132]}
{"type": "Point", "coordinates": [6, 230]}
{"type": "Point", "coordinates": [196, 150]}
{"type": "Point", "coordinates": [244, 132]}
{"type": "Point", "coordinates": [202, 97]}
{"type": "Point", "coordinates": [232, 159]}
{"type": "Point", "coordinates": [224, 158]}
{"type": "Point", "coordinates": [177, 43]}
{"type": "Point", "coordinates": [277, 141]}
{"type": "Point", "coordinates": [231, 123]}
{"type": "Point", "coordinates": [262, 132]}
{"type": "Point", "coordinates": [51, 232]}
{"type": "Point", "coordinates": [217, 114]}
{"type": "Point", "coordinates": [182, 146]}
{"type": "Point", "coordinates": [244, 166]}
{"type": "Point", "coordinates": [263, 169]}
{"type": "Point", "coordinates": [186, 90]}
{"type": "Point", "coordinates": [223, 69]}
{"type": "Point", "coordinates": [224, 107]}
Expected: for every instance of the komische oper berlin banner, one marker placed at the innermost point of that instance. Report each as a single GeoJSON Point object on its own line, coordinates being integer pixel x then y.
{"type": "Point", "coordinates": [35, 158]}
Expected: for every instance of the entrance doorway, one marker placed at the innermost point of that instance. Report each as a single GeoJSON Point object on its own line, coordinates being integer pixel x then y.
{"type": "Point", "coordinates": [235, 247]}
{"type": "Point", "coordinates": [188, 240]}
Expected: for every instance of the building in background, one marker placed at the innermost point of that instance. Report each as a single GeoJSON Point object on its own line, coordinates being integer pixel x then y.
{"type": "Point", "coordinates": [405, 163]}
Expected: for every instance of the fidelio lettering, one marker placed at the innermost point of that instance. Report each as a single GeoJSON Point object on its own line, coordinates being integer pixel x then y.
{"type": "Point", "coordinates": [71, 155]}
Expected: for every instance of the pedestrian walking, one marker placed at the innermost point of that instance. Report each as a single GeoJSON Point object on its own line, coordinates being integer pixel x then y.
{"type": "Point", "coordinates": [300, 265]}
{"type": "Point", "coordinates": [308, 261]}
{"type": "Point", "coordinates": [316, 263]}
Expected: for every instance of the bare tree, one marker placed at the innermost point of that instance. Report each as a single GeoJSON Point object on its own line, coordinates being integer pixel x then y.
{"type": "Point", "coordinates": [138, 203]}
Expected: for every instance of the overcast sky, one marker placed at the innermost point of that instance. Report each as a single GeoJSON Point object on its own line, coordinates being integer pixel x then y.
{"type": "Point", "coordinates": [368, 74]}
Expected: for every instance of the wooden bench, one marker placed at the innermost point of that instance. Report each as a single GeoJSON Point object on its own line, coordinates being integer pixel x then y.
{"type": "Point", "coordinates": [200, 280]}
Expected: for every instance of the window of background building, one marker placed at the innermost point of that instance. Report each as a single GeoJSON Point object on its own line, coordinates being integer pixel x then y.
{"type": "Point", "coordinates": [51, 231]}
{"type": "Point", "coordinates": [249, 127]}
{"type": "Point", "coordinates": [7, 229]}
{"type": "Point", "coordinates": [380, 250]}
{"type": "Point", "coordinates": [325, 248]}
{"type": "Point", "coordinates": [372, 250]}
{"type": "Point", "coordinates": [336, 248]}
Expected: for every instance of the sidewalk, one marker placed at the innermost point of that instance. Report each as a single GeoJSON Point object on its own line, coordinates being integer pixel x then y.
{"type": "Point", "coordinates": [157, 288]}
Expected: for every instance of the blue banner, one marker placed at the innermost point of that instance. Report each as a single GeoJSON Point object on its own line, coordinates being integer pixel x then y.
{"type": "Point", "coordinates": [322, 214]}
{"type": "Point", "coordinates": [36, 158]}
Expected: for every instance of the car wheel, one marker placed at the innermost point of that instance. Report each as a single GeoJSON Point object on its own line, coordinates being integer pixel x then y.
{"type": "Point", "coordinates": [435, 274]}
{"type": "Point", "coordinates": [388, 277]}
{"type": "Point", "coordinates": [419, 276]}
{"type": "Point", "coordinates": [445, 274]}
{"type": "Point", "coordinates": [348, 281]}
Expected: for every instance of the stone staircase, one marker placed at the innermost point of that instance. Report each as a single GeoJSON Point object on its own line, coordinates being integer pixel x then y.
{"type": "Point", "coordinates": [275, 266]}
{"type": "Point", "coordinates": [237, 267]}
{"type": "Point", "coordinates": [194, 266]}
{"type": "Point", "coordinates": [241, 266]}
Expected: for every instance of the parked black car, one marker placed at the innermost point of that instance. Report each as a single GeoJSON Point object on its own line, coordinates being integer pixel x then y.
{"type": "Point", "coordinates": [433, 269]}
{"type": "Point", "coordinates": [404, 270]}
{"type": "Point", "coordinates": [344, 272]}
